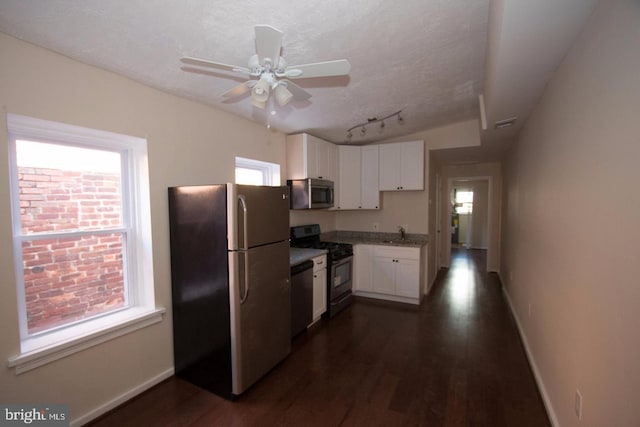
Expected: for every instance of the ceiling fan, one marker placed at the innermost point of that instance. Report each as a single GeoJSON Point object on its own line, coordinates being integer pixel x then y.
{"type": "Point", "coordinates": [269, 72]}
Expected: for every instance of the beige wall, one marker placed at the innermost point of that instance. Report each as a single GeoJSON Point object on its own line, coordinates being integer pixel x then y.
{"type": "Point", "coordinates": [326, 218]}
{"type": "Point", "coordinates": [572, 225]}
{"type": "Point", "coordinates": [188, 143]}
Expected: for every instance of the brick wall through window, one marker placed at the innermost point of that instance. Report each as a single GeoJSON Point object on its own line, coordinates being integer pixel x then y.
{"type": "Point", "coordinates": [70, 278]}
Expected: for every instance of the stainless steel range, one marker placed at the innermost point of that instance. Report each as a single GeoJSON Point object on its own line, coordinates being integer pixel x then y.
{"type": "Point", "coordinates": [339, 265]}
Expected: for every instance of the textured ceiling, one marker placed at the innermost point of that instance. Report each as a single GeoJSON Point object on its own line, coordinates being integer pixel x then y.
{"type": "Point", "coordinates": [425, 57]}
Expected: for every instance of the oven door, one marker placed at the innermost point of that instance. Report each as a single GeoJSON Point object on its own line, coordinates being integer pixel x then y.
{"type": "Point", "coordinates": [340, 279]}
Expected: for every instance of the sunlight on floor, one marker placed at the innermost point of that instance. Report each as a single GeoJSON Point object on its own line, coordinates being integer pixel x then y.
{"type": "Point", "coordinates": [462, 285]}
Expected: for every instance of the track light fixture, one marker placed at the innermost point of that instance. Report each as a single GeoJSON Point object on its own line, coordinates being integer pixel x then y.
{"type": "Point", "coordinates": [363, 126]}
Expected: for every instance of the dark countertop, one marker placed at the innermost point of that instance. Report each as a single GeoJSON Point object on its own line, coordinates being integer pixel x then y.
{"type": "Point", "coordinates": [298, 255]}
{"type": "Point", "coordinates": [374, 238]}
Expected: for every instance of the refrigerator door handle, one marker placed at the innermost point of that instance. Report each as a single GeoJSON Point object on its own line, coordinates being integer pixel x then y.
{"type": "Point", "coordinates": [245, 236]}
{"type": "Point", "coordinates": [245, 294]}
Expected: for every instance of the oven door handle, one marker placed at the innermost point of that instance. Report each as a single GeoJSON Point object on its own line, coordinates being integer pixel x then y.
{"type": "Point", "coordinates": [342, 261]}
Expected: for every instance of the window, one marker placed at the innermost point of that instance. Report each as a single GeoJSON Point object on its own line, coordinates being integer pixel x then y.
{"type": "Point", "coordinates": [256, 172]}
{"type": "Point", "coordinates": [81, 227]}
{"type": "Point", "coordinates": [464, 201]}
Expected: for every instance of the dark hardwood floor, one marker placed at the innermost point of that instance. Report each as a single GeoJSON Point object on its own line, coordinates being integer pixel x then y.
{"type": "Point", "coordinates": [455, 360]}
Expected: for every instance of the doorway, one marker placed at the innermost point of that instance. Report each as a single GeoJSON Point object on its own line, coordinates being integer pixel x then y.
{"type": "Point", "coordinates": [466, 218]}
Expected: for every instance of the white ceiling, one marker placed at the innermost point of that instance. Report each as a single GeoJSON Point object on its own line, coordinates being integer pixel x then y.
{"type": "Point", "coordinates": [425, 57]}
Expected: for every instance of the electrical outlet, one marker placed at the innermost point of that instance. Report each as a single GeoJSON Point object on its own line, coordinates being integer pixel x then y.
{"type": "Point", "coordinates": [376, 226]}
{"type": "Point", "coordinates": [578, 407]}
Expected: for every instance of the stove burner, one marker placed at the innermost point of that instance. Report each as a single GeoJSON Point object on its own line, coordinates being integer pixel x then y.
{"type": "Point", "coordinates": [335, 250]}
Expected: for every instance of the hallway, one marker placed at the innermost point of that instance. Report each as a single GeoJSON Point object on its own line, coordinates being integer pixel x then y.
{"type": "Point", "coordinates": [457, 360]}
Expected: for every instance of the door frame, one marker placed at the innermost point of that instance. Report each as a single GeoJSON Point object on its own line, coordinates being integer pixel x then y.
{"type": "Point", "coordinates": [439, 227]}
{"type": "Point", "coordinates": [491, 251]}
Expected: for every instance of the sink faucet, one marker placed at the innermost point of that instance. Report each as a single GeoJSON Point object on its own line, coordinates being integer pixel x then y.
{"type": "Point", "coordinates": [402, 233]}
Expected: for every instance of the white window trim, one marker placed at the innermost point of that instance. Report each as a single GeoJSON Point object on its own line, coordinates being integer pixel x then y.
{"type": "Point", "coordinates": [270, 171]}
{"type": "Point", "coordinates": [42, 348]}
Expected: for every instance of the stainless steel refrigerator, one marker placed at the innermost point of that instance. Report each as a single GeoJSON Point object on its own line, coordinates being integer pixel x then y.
{"type": "Point", "coordinates": [230, 283]}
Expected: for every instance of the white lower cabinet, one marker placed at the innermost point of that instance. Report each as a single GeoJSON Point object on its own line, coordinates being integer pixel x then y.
{"type": "Point", "coordinates": [388, 272]}
{"type": "Point", "coordinates": [319, 287]}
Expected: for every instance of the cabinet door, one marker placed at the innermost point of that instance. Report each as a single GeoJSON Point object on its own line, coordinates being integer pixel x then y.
{"type": "Point", "coordinates": [311, 156]}
{"type": "Point", "coordinates": [332, 171]}
{"type": "Point", "coordinates": [334, 175]}
{"type": "Point", "coordinates": [390, 171]}
{"type": "Point", "coordinates": [322, 159]}
{"type": "Point", "coordinates": [362, 266]}
{"type": "Point", "coordinates": [407, 278]}
{"type": "Point", "coordinates": [319, 293]}
{"type": "Point", "coordinates": [383, 272]}
{"type": "Point", "coordinates": [350, 177]}
{"type": "Point", "coordinates": [412, 165]}
{"type": "Point", "coordinates": [370, 185]}
{"type": "Point", "coordinates": [296, 156]}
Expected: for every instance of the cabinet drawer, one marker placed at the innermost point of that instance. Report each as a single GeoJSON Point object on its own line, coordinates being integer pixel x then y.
{"type": "Point", "coordinates": [319, 263]}
{"type": "Point", "coordinates": [396, 252]}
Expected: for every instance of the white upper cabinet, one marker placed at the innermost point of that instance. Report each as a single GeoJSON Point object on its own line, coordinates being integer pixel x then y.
{"type": "Point", "coordinates": [358, 171]}
{"type": "Point", "coordinates": [311, 157]}
{"type": "Point", "coordinates": [402, 166]}
{"type": "Point", "coordinates": [370, 193]}
{"type": "Point", "coordinates": [350, 179]}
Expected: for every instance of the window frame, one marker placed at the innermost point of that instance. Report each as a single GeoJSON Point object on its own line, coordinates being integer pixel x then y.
{"type": "Point", "coordinates": [270, 171]}
{"type": "Point", "coordinates": [468, 206]}
{"type": "Point", "coordinates": [45, 346]}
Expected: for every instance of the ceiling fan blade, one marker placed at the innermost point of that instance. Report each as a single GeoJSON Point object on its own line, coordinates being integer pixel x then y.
{"type": "Point", "coordinates": [211, 64]}
{"type": "Point", "coordinates": [338, 67]}
{"type": "Point", "coordinates": [240, 89]}
{"type": "Point", "coordinates": [268, 44]}
{"type": "Point", "coordinates": [298, 93]}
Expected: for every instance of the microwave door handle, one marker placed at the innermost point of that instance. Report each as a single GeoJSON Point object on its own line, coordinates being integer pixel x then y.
{"type": "Point", "coordinates": [245, 237]}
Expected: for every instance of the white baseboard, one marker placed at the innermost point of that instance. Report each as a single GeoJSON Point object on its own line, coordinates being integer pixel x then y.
{"type": "Point", "coordinates": [386, 297]}
{"type": "Point", "coordinates": [532, 362]}
{"type": "Point", "coordinates": [102, 409]}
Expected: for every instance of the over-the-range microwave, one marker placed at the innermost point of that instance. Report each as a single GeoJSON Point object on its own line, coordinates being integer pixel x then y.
{"type": "Point", "coordinates": [311, 193]}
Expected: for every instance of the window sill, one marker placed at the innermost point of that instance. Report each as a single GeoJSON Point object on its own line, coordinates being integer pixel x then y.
{"type": "Point", "coordinates": [49, 348]}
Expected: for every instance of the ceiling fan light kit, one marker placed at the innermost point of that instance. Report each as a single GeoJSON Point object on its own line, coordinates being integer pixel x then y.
{"type": "Point", "coordinates": [282, 94]}
{"type": "Point", "coordinates": [269, 71]}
